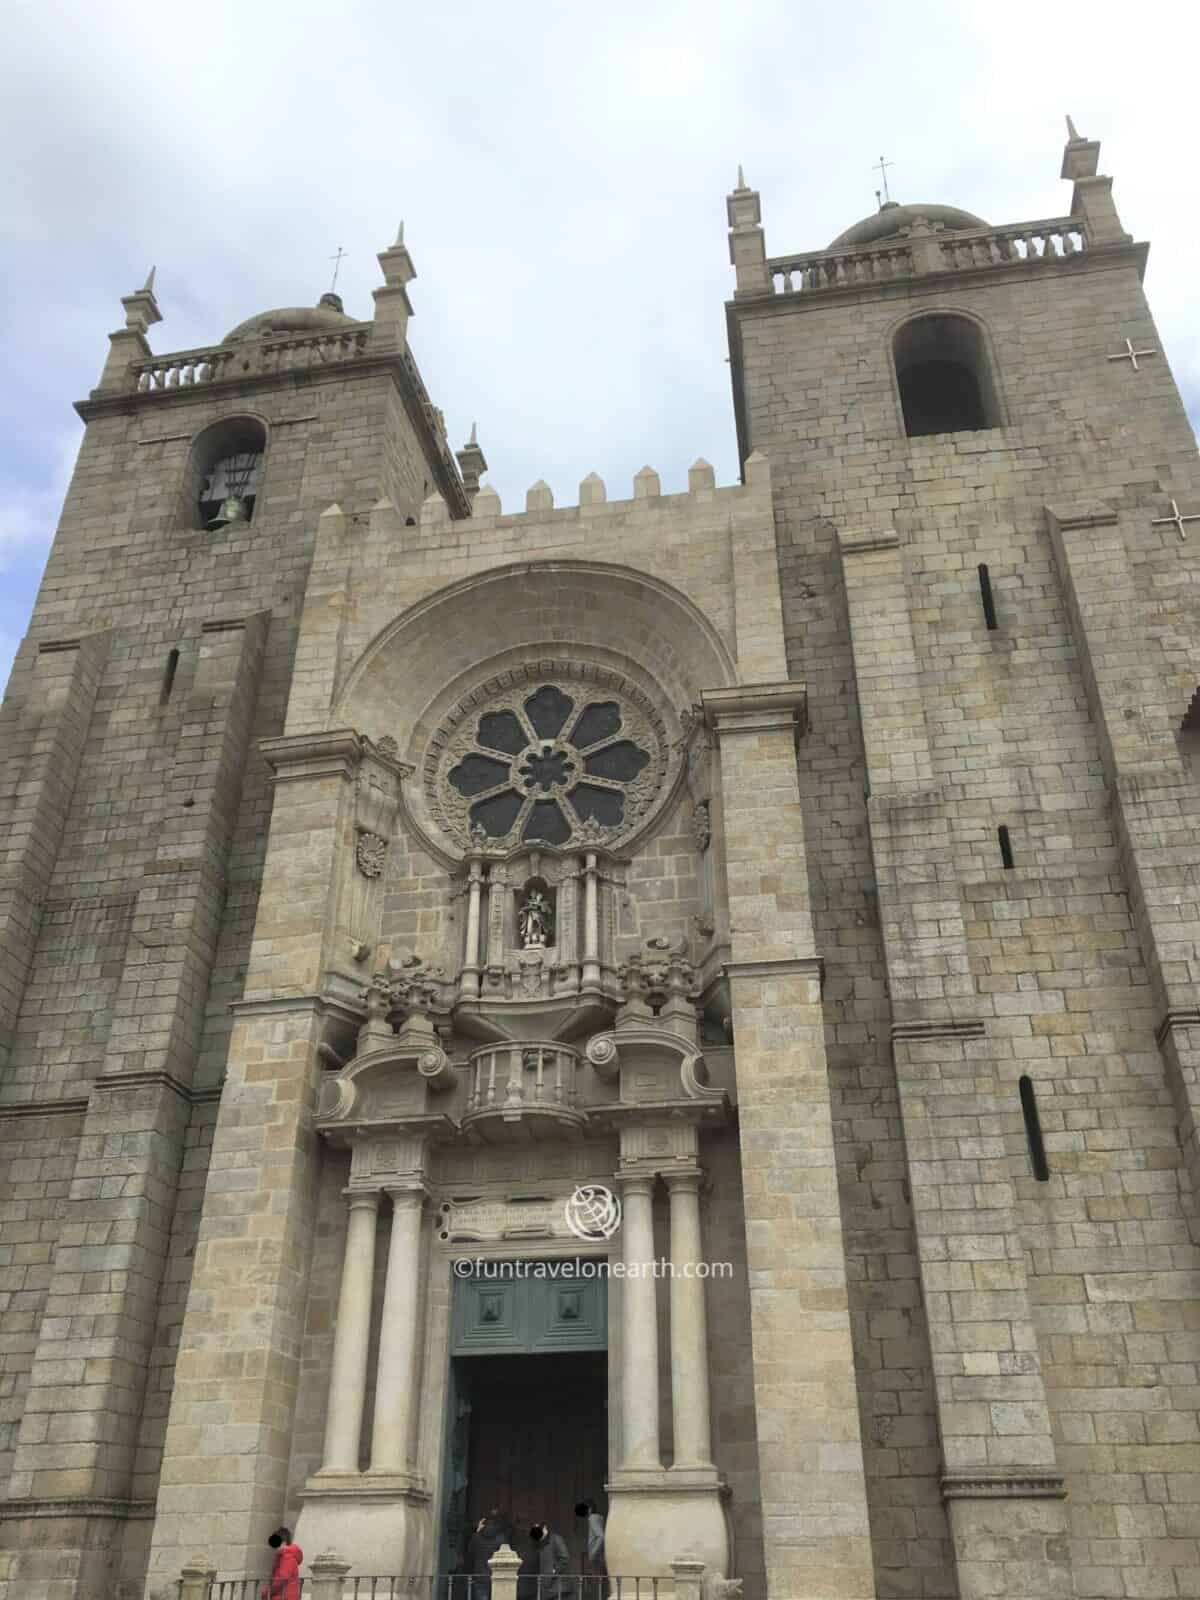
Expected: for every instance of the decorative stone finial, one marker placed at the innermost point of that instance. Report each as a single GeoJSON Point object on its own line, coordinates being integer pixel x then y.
{"type": "Point", "coordinates": [646, 483]}
{"type": "Point", "coordinates": [392, 305]}
{"type": "Point", "coordinates": [701, 475]}
{"type": "Point", "coordinates": [141, 308]}
{"type": "Point", "coordinates": [747, 244]}
{"type": "Point", "coordinates": [472, 464]}
{"type": "Point", "coordinates": [1081, 157]}
{"type": "Point", "coordinates": [539, 497]}
{"type": "Point", "coordinates": [592, 491]}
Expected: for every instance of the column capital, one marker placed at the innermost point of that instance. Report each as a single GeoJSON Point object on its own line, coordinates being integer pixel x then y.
{"type": "Point", "coordinates": [635, 1180]}
{"type": "Point", "coordinates": [689, 1178]}
{"type": "Point", "coordinates": [362, 1199]}
{"type": "Point", "coordinates": [405, 1195]}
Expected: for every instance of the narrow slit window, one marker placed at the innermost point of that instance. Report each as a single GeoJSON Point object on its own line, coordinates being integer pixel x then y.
{"type": "Point", "coordinates": [168, 682]}
{"type": "Point", "coordinates": [1006, 853]}
{"type": "Point", "coordinates": [985, 594]}
{"type": "Point", "coordinates": [1033, 1131]}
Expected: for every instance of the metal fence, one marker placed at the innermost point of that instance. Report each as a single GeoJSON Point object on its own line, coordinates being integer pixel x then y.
{"type": "Point", "coordinates": [452, 1586]}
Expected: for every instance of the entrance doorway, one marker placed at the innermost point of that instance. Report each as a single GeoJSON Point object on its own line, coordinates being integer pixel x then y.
{"type": "Point", "coordinates": [537, 1442]}
{"type": "Point", "coordinates": [527, 1404]}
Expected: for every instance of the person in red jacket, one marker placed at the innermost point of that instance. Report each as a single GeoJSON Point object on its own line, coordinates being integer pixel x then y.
{"type": "Point", "coordinates": [284, 1582]}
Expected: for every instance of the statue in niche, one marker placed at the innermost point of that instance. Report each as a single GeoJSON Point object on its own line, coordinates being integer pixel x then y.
{"type": "Point", "coordinates": [535, 920]}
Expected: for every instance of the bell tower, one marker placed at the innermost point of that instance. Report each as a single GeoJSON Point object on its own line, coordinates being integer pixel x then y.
{"type": "Point", "coordinates": [160, 653]}
{"type": "Point", "coordinates": [987, 509]}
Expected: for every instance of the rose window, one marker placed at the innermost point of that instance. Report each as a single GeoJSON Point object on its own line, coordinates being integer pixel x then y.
{"type": "Point", "coordinates": [548, 764]}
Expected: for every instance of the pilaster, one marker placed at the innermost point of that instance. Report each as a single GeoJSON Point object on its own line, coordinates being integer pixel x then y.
{"type": "Point", "coordinates": [45, 740]}
{"type": "Point", "coordinates": [1137, 708]}
{"type": "Point", "coordinates": [236, 1376]}
{"type": "Point", "coordinates": [814, 1505]}
{"type": "Point", "coordinates": [1001, 1481]}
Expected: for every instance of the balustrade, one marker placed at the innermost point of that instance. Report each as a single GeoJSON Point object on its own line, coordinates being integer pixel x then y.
{"type": "Point", "coordinates": [1023, 241]}
{"type": "Point", "coordinates": [509, 1079]}
{"type": "Point", "coordinates": [262, 356]}
{"type": "Point", "coordinates": [823, 270]}
{"type": "Point", "coordinates": [1051, 240]}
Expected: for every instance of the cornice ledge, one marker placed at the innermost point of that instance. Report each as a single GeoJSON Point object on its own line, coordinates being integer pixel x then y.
{"type": "Point", "coordinates": [852, 542]}
{"type": "Point", "coordinates": [899, 797]}
{"type": "Point", "coordinates": [782, 967]}
{"type": "Point", "coordinates": [313, 755]}
{"type": "Point", "coordinates": [938, 1028]}
{"type": "Point", "coordinates": [145, 1079]}
{"type": "Point", "coordinates": [1006, 1484]}
{"type": "Point", "coordinates": [76, 1506]}
{"type": "Point", "coordinates": [751, 707]}
{"type": "Point", "coordinates": [1177, 1017]}
{"type": "Point", "coordinates": [76, 1106]}
{"type": "Point", "coordinates": [1089, 515]}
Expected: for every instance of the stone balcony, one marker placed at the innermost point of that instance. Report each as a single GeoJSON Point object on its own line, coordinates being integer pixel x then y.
{"type": "Point", "coordinates": [523, 1091]}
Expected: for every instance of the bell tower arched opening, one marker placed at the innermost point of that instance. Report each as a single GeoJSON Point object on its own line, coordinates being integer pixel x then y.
{"type": "Point", "coordinates": [944, 376]}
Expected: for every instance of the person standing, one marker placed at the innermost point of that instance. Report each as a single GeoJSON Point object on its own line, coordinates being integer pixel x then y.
{"type": "Point", "coordinates": [594, 1566]}
{"type": "Point", "coordinates": [489, 1535]}
{"type": "Point", "coordinates": [551, 1564]}
{"type": "Point", "coordinates": [284, 1582]}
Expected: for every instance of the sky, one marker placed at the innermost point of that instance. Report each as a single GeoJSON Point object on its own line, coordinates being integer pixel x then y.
{"type": "Point", "coordinates": [561, 173]}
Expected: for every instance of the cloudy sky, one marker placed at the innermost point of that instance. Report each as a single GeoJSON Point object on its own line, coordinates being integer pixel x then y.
{"type": "Point", "coordinates": [561, 170]}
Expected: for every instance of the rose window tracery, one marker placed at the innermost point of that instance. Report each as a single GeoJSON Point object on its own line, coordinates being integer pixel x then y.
{"type": "Point", "coordinates": [550, 763]}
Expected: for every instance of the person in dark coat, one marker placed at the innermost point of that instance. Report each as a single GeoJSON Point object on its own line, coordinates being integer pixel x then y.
{"type": "Point", "coordinates": [490, 1533]}
{"type": "Point", "coordinates": [551, 1564]}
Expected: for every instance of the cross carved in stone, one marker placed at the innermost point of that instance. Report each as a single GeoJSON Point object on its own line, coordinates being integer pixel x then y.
{"type": "Point", "coordinates": [1177, 519]}
{"type": "Point", "coordinates": [1131, 355]}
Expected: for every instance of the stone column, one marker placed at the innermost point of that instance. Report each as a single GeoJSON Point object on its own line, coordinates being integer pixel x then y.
{"type": "Point", "coordinates": [348, 1378]}
{"type": "Point", "coordinates": [591, 924]}
{"type": "Point", "coordinates": [689, 1327]}
{"type": "Point", "coordinates": [395, 1379]}
{"type": "Point", "coordinates": [639, 1328]}
{"type": "Point", "coordinates": [470, 972]}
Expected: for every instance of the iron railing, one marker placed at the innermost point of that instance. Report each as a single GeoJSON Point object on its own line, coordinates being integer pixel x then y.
{"type": "Point", "coordinates": [452, 1586]}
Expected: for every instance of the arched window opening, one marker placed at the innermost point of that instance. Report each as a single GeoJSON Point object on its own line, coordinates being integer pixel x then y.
{"type": "Point", "coordinates": [224, 470]}
{"type": "Point", "coordinates": [944, 377]}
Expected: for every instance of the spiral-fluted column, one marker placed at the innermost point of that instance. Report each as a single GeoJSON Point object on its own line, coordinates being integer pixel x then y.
{"type": "Point", "coordinates": [639, 1327]}
{"type": "Point", "coordinates": [348, 1378]}
{"type": "Point", "coordinates": [395, 1381]}
{"type": "Point", "coordinates": [689, 1326]}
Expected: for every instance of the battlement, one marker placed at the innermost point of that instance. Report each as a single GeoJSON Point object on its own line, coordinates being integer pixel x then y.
{"type": "Point", "coordinates": [593, 496]}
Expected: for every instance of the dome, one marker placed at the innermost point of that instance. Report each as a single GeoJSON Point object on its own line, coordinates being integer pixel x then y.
{"type": "Point", "coordinates": [891, 218]}
{"type": "Point", "coordinates": [326, 316]}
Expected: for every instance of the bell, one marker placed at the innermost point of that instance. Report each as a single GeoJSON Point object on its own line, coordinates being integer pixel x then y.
{"type": "Point", "coordinates": [233, 509]}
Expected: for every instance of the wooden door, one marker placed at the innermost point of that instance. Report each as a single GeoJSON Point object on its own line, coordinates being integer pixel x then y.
{"type": "Point", "coordinates": [538, 1442]}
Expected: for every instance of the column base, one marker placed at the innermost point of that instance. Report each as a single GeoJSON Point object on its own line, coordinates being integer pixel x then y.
{"type": "Point", "coordinates": [380, 1522]}
{"type": "Point", "coordinates": [656, 1515]}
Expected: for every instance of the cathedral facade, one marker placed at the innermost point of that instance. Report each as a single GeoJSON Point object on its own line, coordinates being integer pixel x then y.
{"type": "Point", "coordinates": [685, 1001]}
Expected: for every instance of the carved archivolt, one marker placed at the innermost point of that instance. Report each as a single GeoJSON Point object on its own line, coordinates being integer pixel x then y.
{"type": "Point", "coordinates": [556, 752]}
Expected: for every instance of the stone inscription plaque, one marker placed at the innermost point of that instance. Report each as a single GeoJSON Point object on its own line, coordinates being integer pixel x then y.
{"type": "Point", "coordinates": [539, 1216]}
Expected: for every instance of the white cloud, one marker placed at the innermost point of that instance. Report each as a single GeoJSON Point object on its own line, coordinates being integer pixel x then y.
{"type": "Point", "coordinates": [562, 172]}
